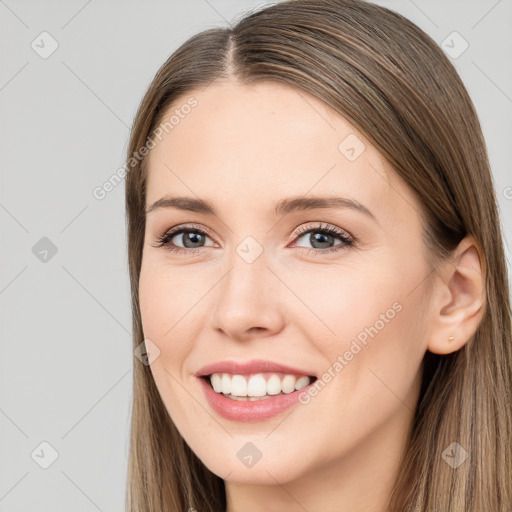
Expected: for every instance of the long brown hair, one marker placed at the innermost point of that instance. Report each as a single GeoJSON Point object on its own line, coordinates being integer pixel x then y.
{"type": "Point", "coordinates": [394, 84]}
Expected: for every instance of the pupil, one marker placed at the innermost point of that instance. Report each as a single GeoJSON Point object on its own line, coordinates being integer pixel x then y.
{"type": "Point", "coordinates": [317, 237]}
{"type": "Point", "coordinates": [191, 236]}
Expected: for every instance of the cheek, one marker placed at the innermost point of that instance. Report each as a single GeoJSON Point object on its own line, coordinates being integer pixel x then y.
{"type": "Point", "coordinates": [163, 306]}
{"type": "Point", "coordinates": [166, 299]}
{"type": "Point", "coordinates": [368, 324]}
{"type": "Point", "coordinates": [166, 324]}
{"type": "Point", "coordinates": [339, 304]}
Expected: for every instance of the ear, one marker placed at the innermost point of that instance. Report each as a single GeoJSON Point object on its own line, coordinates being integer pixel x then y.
{"type": "Point", "coordinates": [458, 298]}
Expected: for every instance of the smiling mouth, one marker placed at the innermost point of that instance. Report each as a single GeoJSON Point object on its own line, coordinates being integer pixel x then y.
{"type": "Point", "coordinates": [306, 380]}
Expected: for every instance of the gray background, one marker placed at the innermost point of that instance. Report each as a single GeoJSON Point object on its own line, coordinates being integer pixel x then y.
{"type": "Point", "coordinates": [65, 362]}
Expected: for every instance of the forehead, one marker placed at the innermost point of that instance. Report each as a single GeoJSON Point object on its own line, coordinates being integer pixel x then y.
{"type": "Point", "coordinates": [253, 144]}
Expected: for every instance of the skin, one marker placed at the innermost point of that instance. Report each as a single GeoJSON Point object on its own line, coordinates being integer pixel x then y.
{"type": "Point", "coordinates": [243, 148]}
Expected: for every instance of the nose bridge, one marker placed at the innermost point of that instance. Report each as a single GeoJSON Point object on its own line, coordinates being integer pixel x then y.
{"type": "Point", "coordinates": [246, 297]}
{"type": "Point", "coordinates": [248, 273]}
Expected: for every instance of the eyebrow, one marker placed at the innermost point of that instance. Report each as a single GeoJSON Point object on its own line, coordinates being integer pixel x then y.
{"type": "Point", "coordinates": [283, 207]}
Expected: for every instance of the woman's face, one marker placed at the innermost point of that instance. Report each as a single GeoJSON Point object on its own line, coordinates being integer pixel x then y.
{"type": "Point", "coordinates": [349, 307]}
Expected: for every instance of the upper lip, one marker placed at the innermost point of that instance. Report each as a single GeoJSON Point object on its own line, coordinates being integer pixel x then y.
{"type": "Point", "coordinates": [249, 367]}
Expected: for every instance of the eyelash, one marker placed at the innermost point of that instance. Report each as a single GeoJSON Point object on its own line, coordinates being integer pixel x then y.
{"type": "Point", "coordinates": [348, 241]}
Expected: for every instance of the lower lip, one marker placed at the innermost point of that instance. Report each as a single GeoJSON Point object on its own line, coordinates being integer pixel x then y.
{"type": "Point", "coordinates": [258, 410]}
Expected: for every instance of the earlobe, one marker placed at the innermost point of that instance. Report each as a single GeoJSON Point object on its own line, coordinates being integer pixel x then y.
{"type": "Point", "coordinates": [459, 298]}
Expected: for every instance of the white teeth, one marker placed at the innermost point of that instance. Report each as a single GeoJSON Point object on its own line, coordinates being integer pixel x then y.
{"type": "Point", "coordinates": [302, 382]}
{"type": "Point", "coordinates": [238, 386]}
{"type": "Point", "coordinates": [258, 385]}
{"type": "Point", "coordinates": [288, 383]}
{"type": "Point", "coordinates": [226, 384]}
{"type": "Point", "coordinates": [273, 385]}
{"type": "Point", "coordinates": [216, 381]}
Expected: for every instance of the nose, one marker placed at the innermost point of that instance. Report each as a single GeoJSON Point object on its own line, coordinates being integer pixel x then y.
{"type": "Point", "coordinates": [248, 301]}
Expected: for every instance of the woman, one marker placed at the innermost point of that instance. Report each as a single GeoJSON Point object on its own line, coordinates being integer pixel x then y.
{"type": "Point", "coordinates": [318, 276]}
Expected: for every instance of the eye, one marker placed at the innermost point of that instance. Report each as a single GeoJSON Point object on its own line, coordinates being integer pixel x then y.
{"type": "Point", "coordinates": [322, 236]}
{"type": "Point", "coordinates": [191, 237]}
